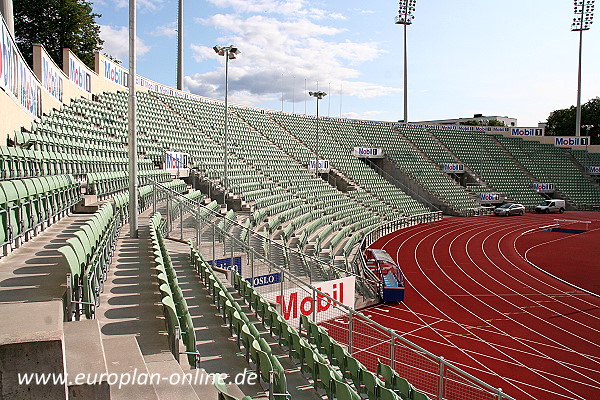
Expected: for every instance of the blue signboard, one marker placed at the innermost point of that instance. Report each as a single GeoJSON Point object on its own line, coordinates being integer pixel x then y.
{"type": "Point", "coordinates": [265, 279]}
{"type": "Point", "coordinates": [225, 263]}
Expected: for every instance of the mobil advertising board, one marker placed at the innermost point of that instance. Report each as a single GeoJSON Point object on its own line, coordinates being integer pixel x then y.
{"type": "Point", "coordinates": [527, 131]}
{"type": "Point", "coordinates": [594, 170]}
{"type": "Point", "coordinates": [16, 78]}
{"type": "Point", "coordinates": [543, 187]}
{"type": "Point", "coordinates": [368, 152]}
{"type": "Point", "coordinates": [294, 301]}
{"type": "Point", "coordinates": [490, 198]}
{"type": "Point", "coordinates": [570, 141]}
{"type": "Point", "coordinates": [175, 160]}
{"type": "Point", "coordinates": [323, 166]}
{"type": "Point", "coordinates": [454, 168]}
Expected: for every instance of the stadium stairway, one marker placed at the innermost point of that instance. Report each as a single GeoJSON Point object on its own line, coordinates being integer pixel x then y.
{"type": "Point", "coordinates": [218, 349]}
{"type": "Point", "coordinates": [514, 159]}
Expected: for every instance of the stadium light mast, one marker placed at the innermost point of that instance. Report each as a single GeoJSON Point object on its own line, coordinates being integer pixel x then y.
{"type": "Point", "coordinates": [318, 95]}
{"type": "Point", "coordinates": [584, 15]}
{"type": "Point", "coordinates": [132, 126]}
{"type": "Point", "coordinates": [180, 46]}
{"type": "Point", "coordinates": [405, 17]}
{"type": "Point", "coordinates": [229, 52]}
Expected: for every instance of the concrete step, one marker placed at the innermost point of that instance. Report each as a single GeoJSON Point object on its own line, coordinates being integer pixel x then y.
{"type": "Point", "coordinates": [84, 356]}
{"type": "Point", "coordinates": [32, 343]}
{"type": "Point", "coordinates": [88, 205]}
{"type": "Point", "coordinates": [124, 361]}
{"type": "Point", "coordinates": [175, 384]}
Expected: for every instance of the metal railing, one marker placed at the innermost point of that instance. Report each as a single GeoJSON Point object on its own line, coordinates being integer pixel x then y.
{"type": "Point", "coordinates": [366, 340]}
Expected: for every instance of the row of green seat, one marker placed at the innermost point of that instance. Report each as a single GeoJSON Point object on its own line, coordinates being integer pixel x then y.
{"type": "Point", "coordinates": [28, 206]}
{"type": "Point", "coordinates": [177, 315]}
{"type": "Point", "coordinates": [87, 257]}
{"type": "Point", "coordinates": [268, 367]}
{"type": "Point", "coordinates": [105, 183]}
{"type": "Point", "coordinates": [393, 387]}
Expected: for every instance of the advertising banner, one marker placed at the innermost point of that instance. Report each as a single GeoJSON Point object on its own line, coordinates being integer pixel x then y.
{"type": "Point", "coordinates": [544, 187]}
{"type": "Point", "coordinates": [16, 78]}
{"type": "Point", "coordinates": [368, 152]}
{"type": "Point", "coordinates": [79, 74]}
{"type": "Point", "coordinates": [298, 301]}
{"type": "Point", "coordinates": [489, 198]}
{"type": "Point", "coordinates": [264, 280]}
{"type": "Point", "coordinates": [323, 166]}
{"type": "Point", "coordinates": [527, 132]}
{"type": "Point", "coordinates": [455, 168]}
{"type": "Point", "coordinates": [175, 160]}
{"type": "Point", "coordinates": [52, 78]}
{"type": "Point", "coordinates": [594, 170]}
{"type": "Point", "coordinates": [225, 263]}
{"type": "Point", "coordinates": [570, 141]}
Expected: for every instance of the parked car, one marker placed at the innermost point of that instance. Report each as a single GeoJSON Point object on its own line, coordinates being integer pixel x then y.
{"type": "Point", "coordinates": [510, 209]}
{"type": "Point", "coordinates": [551, 206]}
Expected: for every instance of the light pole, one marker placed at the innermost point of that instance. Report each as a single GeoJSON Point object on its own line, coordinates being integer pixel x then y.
{"type": "Point", "coordinates": [132, 125]}
{"type": "Point", "coordinates": [584, 15]}
{"type": "Point", "coordinates": [587, 128]}
{"type": "Point", "coordinates": [405, 17]}
{"type": "Point", "coordinates": [229, 52]}
{"type": "Point", "coordinates": [180, 46]}
{"type": "Point", "coordinates": [318, 95]}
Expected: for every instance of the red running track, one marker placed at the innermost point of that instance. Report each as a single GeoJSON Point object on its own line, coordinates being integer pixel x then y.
{"type": "Point", "coordinates": [473, 299]}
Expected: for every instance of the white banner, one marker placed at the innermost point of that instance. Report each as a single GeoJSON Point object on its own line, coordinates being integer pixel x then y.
{"type": "Point", "coordinates": [298, 301]}
{"type": "Point", "coordinates": [570, 141]}
{"type": "Point", "coordinates": [490, 198]}
{"type": "Point", "coordinates": [52, 79]}
{"type": "Point", "coordinates": [527, 131]}
{"type": "Point", "coordinates": [454, 168]}
{"type": "Point", "coordinates": [323, 166]}
{"type": "Point", "coordinates": [16, 78]}
{"type": "Point", "coordinates": [79, 74]}
{"type": "Point", "coordinates": [368, 152]}
{"type": "Point", "coordinates": [175, 160]}
{"type": "Point", "coordinates": [544, 187]}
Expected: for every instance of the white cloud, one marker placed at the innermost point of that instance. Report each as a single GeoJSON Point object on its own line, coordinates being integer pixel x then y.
{"type": "Point", "coordinates": [149, 5]}
{"type": "Point", "coordinates": [169, 30]}
{"type": "Point", "coordinates": [368, 115]}
{"type": "Point", "coordinates": [274, 51]}
{"type": "Point", "coordinates": [291, 8]}
{"type": "Point", "coordinates": [116, 42]}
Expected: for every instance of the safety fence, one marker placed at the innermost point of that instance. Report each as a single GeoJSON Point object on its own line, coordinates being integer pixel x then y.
{"type": "Point", "coordinates": [329, 301]}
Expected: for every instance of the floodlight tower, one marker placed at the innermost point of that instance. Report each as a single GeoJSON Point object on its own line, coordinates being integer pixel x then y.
{"type": "Point", "coordinates": [229, 52]}
{"type": "Point", "coordinates": [318, 95]}
{"type": "Point", "coordinates": [584, 15]}
{"type": "Point", "coordinates": [180, 46]}
{"type": "Point", "coordinates": [405, 17]}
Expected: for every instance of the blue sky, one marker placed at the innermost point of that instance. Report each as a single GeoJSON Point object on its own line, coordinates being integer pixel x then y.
{"type": "Point", "coordinates": [509, 58]}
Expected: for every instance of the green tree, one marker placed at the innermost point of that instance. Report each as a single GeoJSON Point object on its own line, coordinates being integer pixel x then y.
{"type": "Point", "coordinates": [471, 122]}
{"type": "Point", "coordinates": [562, 122]}
{"type": "Point", "coordinates": [495, 122]}
{"type": "Point", "coordinates": [57, 24]}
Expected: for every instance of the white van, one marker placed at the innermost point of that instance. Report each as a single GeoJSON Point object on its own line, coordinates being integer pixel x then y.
{"type": "Point", "coordinates": [553, 205]}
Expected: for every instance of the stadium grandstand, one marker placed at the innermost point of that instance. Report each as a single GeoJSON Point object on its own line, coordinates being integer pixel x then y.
{"type": "Point", "coordinates": [246, 280]}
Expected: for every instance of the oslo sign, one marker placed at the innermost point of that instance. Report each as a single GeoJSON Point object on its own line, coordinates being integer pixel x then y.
{"type": "Point", "coordinates": [264, 280]}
